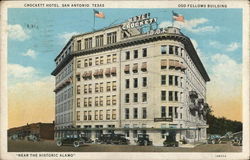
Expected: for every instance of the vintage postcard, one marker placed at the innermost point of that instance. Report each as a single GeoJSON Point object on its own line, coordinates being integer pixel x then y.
{"type": "Point", "coordinates": [124, 80]}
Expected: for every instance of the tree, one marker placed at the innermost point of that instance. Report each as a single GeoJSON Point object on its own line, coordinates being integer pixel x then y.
{"type": "Point", "coordinates": [221, 125]}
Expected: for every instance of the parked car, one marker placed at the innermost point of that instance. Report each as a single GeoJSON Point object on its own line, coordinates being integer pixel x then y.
{"type": "Point", "coordinates": [73, 139]}
{"type": "Point", "coordinates": [143, 139]}
{"type": "Point", "coordinates": [104, 139]}
{"type": "Point", "coordinates": [171, 140]}
{"type": "Point", "coordinates": [112, 139]}
{"type": "Point", "coordinates": [213, 139]}
{"type": "Point", "coordinates": [237, 139]}
{"type": "Point", "coordinates": [33, 137]}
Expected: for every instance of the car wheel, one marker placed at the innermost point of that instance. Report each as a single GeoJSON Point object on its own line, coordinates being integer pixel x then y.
{"type": "Point", "coordinates": [59, 143]}
{"type": "Point", "coordinates": [145, 143]}
{"type": "Point", "coordinates": [76, 144]}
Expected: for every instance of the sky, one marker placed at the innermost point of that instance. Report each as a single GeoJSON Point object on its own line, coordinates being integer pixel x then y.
{"type": "Point", "coordinates": [36, 36]}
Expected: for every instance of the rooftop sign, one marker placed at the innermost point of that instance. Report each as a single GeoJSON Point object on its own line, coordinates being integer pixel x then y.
{"type": "Point", "coordinates": [138, 21]}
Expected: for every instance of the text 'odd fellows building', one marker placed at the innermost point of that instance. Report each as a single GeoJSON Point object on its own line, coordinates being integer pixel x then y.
{"type": "Point", "coordinates": [131, 78]}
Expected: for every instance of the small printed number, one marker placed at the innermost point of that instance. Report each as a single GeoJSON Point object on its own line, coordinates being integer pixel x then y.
{"type": "Point", "coordinates": [221, 155]}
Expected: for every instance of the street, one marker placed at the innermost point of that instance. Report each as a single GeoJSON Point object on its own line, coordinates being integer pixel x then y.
{"type": "Point", "coordinates": [50, 146]}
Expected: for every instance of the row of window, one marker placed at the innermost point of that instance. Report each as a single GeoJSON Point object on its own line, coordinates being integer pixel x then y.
{"type": "Point", "coordinates": [175, 50]}
{"type": "Point", "coordinates": [135, 54]}
{"type": "Point", "coordinates": [68, 93]}
{"type": "Point", "coordinates": [136, 82]}
{"type": "Point", "coordinates": [64, 118]}
{"type": "Point", "coordinates": [136, 98]}
{"type": "Point", "coordinates": [66, 52]}
{"type": "Point", "coordinates": [98, 115]}
{"type": "Point", "coordinates": [172, 96]}
{"type": "Point", "coordinates": [194, 82]}
{"type": "Point", "coordinates": [97, 74]}
{"type": "Point", "coordinates": [172, 80]}
{"type": "Point", "coordinates": [135, 68]}
{"type": "Point", "coordinates": [99, 87]}
{"type": "Point", "coordinates": [98, 61]}
{"type": "Point", "coordinates": [172, 50]}
{"type": "Point", "coordinates": [135, 114]}
{"type": "Point", "coordinates": [99, 101]}
{"type": "Point", "coordinates": [172, 112]}
{"type": "Point", "coordinates": [64, 106]}
{"type": "Point", "coordinates": [99, 41]}
{"type": "Point", "coordinates": [64, 72]}
{"type": "Point", "coordinates": [172, 64]}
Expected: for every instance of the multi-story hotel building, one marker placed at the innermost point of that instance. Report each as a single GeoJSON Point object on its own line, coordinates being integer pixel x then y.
{"type": "Point", "coordinates": [122, 80]}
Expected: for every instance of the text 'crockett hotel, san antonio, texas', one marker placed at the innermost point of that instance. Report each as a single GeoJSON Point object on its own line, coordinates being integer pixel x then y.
{"type": "Point", "coordinates": [131, 78]}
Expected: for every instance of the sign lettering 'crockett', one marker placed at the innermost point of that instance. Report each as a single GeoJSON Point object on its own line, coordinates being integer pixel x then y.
{"type": "Point", "coordinates": [138, 21]}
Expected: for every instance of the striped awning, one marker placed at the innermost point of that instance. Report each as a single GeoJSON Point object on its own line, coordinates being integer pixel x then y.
{"type": "Point", "coordinates": [183, 67]}
{"type": "Point", "coordinates": [144, 66]}
{"type": "Point", "coordinates": [107, 71]}
{"type": "Point", "coordinates": [135, 67]}
{"type": "Point", "coordinates": [78, 73]}
{"type": "Point", "coordinates": [100, 72]}
{"type": "Point", "coordinates": [113, 70]}
{"type": "Point", "coordinates": [177, 65]}
{"type": "Point", "coordinates": [89, 74]}
{"type": "Point", "coordinates": [96, 73]}
{"type": "Point", "coordinates": [164, 63]}
{"type": "Point", "coordinates": [85, 74]}
{"type": "Point", "coordinates": [171, 63]}
{"type": "Point", "coordinates": [126, 69]}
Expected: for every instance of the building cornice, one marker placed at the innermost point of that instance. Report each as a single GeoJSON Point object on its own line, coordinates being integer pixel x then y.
{"type": "Point", "coordinates": [141, 40]}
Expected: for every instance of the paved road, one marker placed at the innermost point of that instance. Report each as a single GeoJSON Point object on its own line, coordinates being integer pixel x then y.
{"type": "Point", "coordinates": [50, 146]}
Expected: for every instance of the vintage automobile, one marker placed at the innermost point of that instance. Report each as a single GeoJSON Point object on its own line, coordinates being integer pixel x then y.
{"type": "Point", "coordinates": [213, 139]}
{"type": "Point", "coordinates": [226, 138]}
{"type": "Point", "coordinates": [171, 140]}
{"type": "Point", "coordinates": [14, 137]}
{"type": "Point", "coordinates": [237, 139]}
{"type": "Point", "coordinates": [143, 139]}
{"type": "Point", "coordinates": [112, 138]}
{"type": "Point", "coordinates": [73, 139]}
{"type": "Point", "coordinates": [33, 137]}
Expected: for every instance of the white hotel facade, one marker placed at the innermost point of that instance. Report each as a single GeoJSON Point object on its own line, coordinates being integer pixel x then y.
{"type": "Point", "coordinates": [125, 81]}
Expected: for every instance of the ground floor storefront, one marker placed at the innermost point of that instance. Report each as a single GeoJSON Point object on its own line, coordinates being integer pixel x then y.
{"type": "Point", "coordinates": [156, 135]}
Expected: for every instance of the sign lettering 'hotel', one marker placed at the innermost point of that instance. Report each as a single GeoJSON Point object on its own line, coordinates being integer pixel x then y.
{"type": "Point", "coordinates": [122, 80]}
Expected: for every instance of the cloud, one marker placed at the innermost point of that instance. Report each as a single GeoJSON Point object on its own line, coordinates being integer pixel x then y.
{"type": "Point", "coordinates": [67, 35]}
{"type": "Point", "coordinates": [16, 32]}
{"type": "Point", "coordinates": [225, 74]}
{"type": "Point", "coordinates": [30, 53]}
{"type": "Point", "coordinates": [228, 47]}
{"type": "Point", "coordinates": [17, 71]}
{"type": "Point", "coordinates": [165, 24]}
{"type": "Point", "coordinates": [224, 89]}
{"type": "Point", "coordinates": [233, 46]}
{"type": "Point", "coordinates": [192, 25]}
{"type": "Point", "coordinates": [31, 102]}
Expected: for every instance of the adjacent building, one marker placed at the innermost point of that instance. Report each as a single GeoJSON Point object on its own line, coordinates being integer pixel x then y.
{"type": "Point", "coordinates": [123, 79]}
{"type": "Point", "coordinates": [41, 130]}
